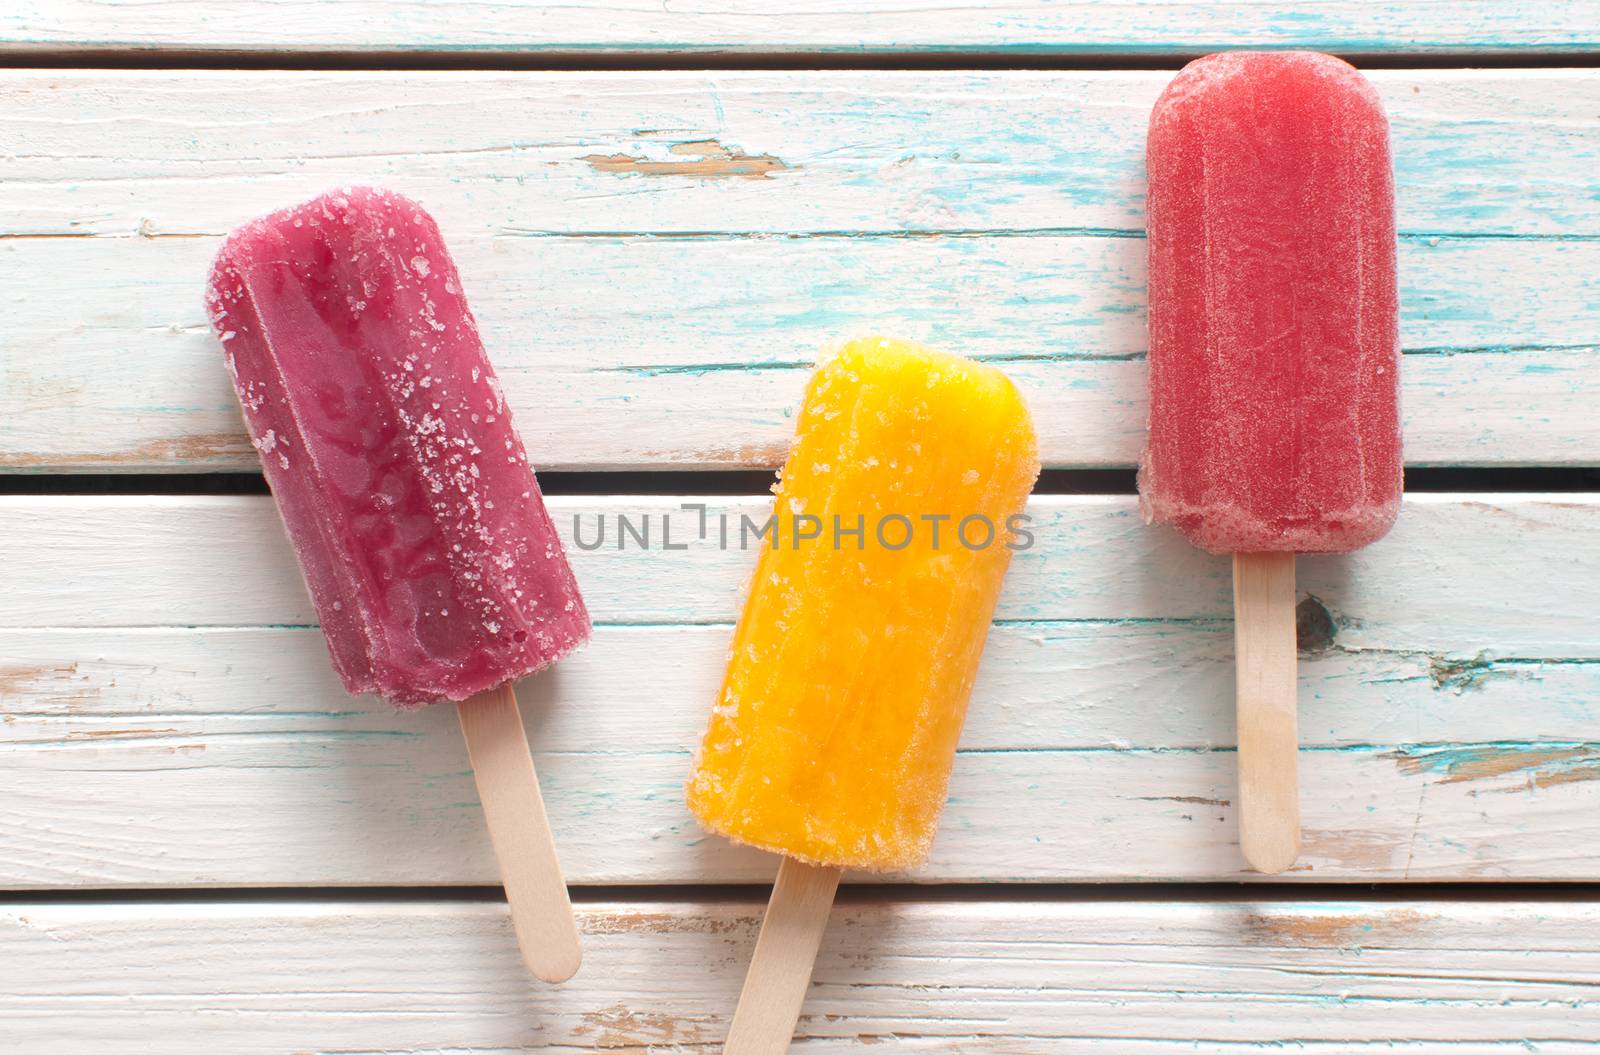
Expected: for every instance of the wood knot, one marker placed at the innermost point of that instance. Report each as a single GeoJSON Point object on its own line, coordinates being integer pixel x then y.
{"type": "Point", "coordinates": [1314, 626]}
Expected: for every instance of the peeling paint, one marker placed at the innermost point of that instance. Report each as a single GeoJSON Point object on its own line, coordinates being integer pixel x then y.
{"type": "Point", "coordinates": [38, 680]}
{"type": "Point", "coordinates": [202, 447]}
{"type": "Point", "coordinates": [704, 159]}
{"type": "Point", "coordinates": [118, 734]}
{"type": "Point", "coordinates": [1193, 800]}
{"type": "Point", "coordinates": [617, 1027]}
{"type": "Point", "coordinates": [626, 922]}
{"type": "Point", "coordinates": [753, 456]}
{"type": "Point", "coordinates": [1458, 674]}
{"type": "Point", "coordinates": [1354, 849]}
{"type": "Point", "coordinates": [1469, 674]}
{"type": "Point", "coordinates": [1330, 930]}
{"type": "Point", "coordinates": [1545, 765]}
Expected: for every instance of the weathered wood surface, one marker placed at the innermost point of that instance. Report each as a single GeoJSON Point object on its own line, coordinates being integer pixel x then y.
{"type": "Point", "coordinates": [590, 27]}
{"type": "Point", "coordinates": [656, 259]}
{"type": "Point", "coordinates": [169, 712]}
{"type": "Point", "coordinates": [1012, 977]}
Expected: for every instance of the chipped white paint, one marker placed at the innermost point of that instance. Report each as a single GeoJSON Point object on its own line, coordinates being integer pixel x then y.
{"type": "Point", "coordinates": [1477, 152]}
{"type": "Point", "coordinates": [1449, 574]}
{"type": "Point", "coordinates": [588, 27]}
{"type": "Point", "coordinates": [803, 207]}
{"type": "Point", "coordinates": [155, 654]}
{"type": "Point", "coordinates": [1014, 976]}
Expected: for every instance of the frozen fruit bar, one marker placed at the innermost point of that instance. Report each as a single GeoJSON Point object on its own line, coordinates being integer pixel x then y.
{"type": "Point", "coordinates": [1274, 346]}
{"type": "Point", "coordinates": [836, 726]}
{"type": "Point", "coordinates": [434, 567]}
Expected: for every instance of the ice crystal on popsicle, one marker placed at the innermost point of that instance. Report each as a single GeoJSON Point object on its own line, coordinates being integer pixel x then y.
{"type": "Point", "coordinates": [433, 564]}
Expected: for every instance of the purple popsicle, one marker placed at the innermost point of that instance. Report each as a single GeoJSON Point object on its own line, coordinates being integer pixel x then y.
{"type": "Point", "coordinates": [434, 567]}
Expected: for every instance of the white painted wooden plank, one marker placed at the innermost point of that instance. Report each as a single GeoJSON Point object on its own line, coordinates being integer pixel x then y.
{"type": "Point", "coordinates": [1449, 721]}
{"type": "Point", "coordinates": [706, 359]}
{"type": "Point", "coordinates": [1014, 976]}
{"type": "Point", "coordinates": [107, 152]}
{"type": "Point", "coordinates": [706, 365]}
{"type": "Point", "coordinates": [1043, 684]}
{"type": "Point", "coordinates": [1513, 573]}
{"type": "Point", "coordinates": [589, 27]}
{"type": "Point", "coordinates": [107, 362]}
{"type": "Point", "coordinates": [145, 758]}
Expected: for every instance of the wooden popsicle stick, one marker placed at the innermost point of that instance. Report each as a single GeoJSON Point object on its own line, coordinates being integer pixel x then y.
{"type": "Point", "coordinates": [541, 912]}
{"type": "Point", "coordinates": [780, 972]}
{"type": "Point", "coordinates": [1264, 646]}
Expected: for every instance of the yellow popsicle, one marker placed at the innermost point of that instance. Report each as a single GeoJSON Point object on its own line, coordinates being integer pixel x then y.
{"type": "Point", "coordinates": [847, 683]}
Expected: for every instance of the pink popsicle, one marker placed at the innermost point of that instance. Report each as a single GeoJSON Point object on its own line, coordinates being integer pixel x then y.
{"type": "Point", "coordinates": [1274, 333]}
{"type": "Point", "coordinates": [421, 532]}
{"type": "Point", "coordinates": [434, 567]}
{"type": "Point", "coordinates": [1274, 361]}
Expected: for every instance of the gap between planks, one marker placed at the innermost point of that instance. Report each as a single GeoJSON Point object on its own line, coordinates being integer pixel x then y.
{"type": "Point", "coordinates": [1154, 892]}
{"type": "Point", "coordinates": [29, 57]}
{"type": "Point", "coordinates": [589, 31]}
{"type": "Point", "coordinates": [755, 483]}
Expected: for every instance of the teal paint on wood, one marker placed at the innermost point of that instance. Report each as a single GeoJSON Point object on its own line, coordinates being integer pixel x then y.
{"type": "Point", "coordinates": [930, 205]}
{"type": "Point", "coordinates": [594, 387]}
{"type": "Point", "coordinates": [1506, 152]}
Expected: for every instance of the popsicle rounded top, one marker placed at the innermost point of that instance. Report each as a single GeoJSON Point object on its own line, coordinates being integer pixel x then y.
{"type": "Point", "coordinates": [835, 729]}
{"type": "Point", "coordinates": [1274, 332]}
{"type": "Point", "coordinates": [432, 562]}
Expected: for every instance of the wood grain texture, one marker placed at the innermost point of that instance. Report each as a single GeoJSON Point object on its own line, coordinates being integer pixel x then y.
{"type": "Point", "coordinates": [589, 27]}
{"type": "Point", "coordinates": [1016, 977]}
{"type": "Point", "coordinates": [519, 830]}
{"type": "Point", "coordinates": [779, 977]}
{"type": "Point", "coordinates": [1264, 643]}
{"type": "Point", "coordinates": [1447, 697]}
{"type": "Point", "coordinates": [657, 259]}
